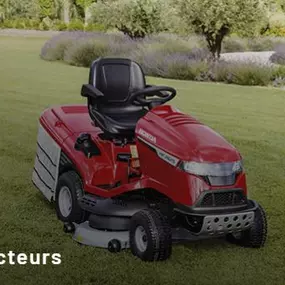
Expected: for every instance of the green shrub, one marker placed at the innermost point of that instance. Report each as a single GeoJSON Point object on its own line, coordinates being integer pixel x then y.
{"type": "Point", "coordinates": [176, 47]}
{"type": "Point", "coordinates": [83, 53]}
{"type": "Point", "coordinates": [234, 44]}
{"type": "Point", "coordinates": [278, 58]}
{"type": "Point", "coordinates": [44, 27]}
{"type": "Point", "coordinates": [137, 19]}
{"type": "Point", "coordinates": [34, 24]}
{"type": "Point", "coordinates": [261, 44]}
{"type": "Point", "coordinates": [241, 73]}
{"type": "Point", "coordinates": [59, 26]}
{"type": "Point", "coordinates": [6, 24]}
{"type": "Point", "coordinates": [46, 24]}
{"type": "Point", "coordinates": [221, 72]}
{"type": "Point", "coordinates": [20, 24]}
{"type": "Point", "coordinates": [192, 70]}
{"type": "Point", "coordinates": [276, 32]}
{"type": "Point", "coordinates": [277, 19]}
{"type": "Point", "coordinates": [166, 48]}
{"type": "Point", "coordinates": [76, 25]}
{"type": "Point", "coordinates": [55, 48]}
{"type": "Point", "coordinates": [251, 74]}
{"type": "Point", "coordinates": [95, 28]}
{"type": "Point", "coordinates": [278, 76]}
{"type": "Point", "coordinates": [278, 72]}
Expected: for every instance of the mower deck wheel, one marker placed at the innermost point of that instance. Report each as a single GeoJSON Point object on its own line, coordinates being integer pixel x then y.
{"type": "Point", "coordinates": [254, 237]}
{"type": "Point", "coordinates": [69, 190]}
{"type": "Point", "coordinates": [114, 246]}
{"type": "Point", "coordinates": [150, 236]}
{"type": "Point", "coordinates": [68, 228]}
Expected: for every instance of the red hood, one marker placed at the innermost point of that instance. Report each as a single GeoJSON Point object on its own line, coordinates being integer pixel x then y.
{"type": "Point", "coordinates": [185, 137]}
{"type": "Point", "coordinates": [174, 132]}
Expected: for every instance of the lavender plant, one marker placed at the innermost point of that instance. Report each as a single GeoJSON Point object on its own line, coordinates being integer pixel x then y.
{"type": "Point", "coordinates": [279, 56]}
{"type": "Point", "coordinates": [163, 55]}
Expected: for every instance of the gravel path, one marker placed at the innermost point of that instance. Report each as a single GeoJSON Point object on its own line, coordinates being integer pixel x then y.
{"type": "Point", "coordinates": [262, 57]}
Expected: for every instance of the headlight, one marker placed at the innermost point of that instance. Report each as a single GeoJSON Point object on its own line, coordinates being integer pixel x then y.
{"type": "Point", "coordinates": [212, 169]}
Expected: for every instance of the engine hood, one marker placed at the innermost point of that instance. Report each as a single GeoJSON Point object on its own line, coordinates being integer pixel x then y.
{"type": "Point", "coordinates": [184, 137]}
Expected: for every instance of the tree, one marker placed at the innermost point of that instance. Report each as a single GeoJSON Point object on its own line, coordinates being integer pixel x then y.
{"type": "Point", "coordinates": [47, 8]}
{"type": "Point", "coordinates": [282, 5]}
{"type": "Point", "coordinates": [58, 9]}
{"type": "Point", "coordinates": [66, 11]}
{"type": "Point", "coordinates": [18, 8]}
{"type": "Point", "coordinates": [135, 18]}
{"type": "Point", "coordinates": [84, 5]}
{"type": "Point", "coordinates": [217, 18]}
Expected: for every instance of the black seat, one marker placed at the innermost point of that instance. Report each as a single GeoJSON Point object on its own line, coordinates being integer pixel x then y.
{"type": "Point", "coordinates": [111, 82]}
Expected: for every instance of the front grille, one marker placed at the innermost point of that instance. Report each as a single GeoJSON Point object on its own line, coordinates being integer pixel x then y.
{"type": "Point", "coordinates": [220, 199]}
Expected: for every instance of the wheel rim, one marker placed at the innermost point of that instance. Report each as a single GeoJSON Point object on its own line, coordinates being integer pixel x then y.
{"type": "Point", "coordinates": [141, 239]}
{"type": "Point", "coordinates": [65, 201]}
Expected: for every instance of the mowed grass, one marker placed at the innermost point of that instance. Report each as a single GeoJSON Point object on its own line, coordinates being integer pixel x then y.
{"type": "Point", "coordinates": [253, 119]}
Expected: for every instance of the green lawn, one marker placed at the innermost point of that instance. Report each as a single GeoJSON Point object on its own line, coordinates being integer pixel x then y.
{"type": "Point", "coordinates": [253, 119]}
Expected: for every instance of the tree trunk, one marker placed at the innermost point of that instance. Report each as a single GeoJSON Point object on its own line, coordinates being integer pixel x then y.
{"type": "Point", "coordinates": [219, 39]}
{"type": "Point", "coordinates": [7, 14]}
{"type": "Point", "coordinates": [212, 46]}
{"type": "Point", "coordinates": [66, 11]}
{"type": "Point", "coordinates": [85, 16]}
{"type": "Point", "coordinates": [215, 42]}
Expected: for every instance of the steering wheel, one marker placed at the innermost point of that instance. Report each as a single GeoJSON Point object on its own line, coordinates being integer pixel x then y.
{"type": "Point", "coordinates": [163, 94]}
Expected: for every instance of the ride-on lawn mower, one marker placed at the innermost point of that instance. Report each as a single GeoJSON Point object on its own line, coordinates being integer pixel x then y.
{"type": "Point", "coordinates": [128, 171]}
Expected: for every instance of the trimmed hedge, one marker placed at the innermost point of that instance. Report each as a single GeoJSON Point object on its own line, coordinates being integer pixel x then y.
{"type": "Point", "coordinates": [47, 24]}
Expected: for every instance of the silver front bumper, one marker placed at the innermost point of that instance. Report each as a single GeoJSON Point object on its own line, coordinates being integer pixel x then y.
{"type": "Point", "coordinates": [215, 225]}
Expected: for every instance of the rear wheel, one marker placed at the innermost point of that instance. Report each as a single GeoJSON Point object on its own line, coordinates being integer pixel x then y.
{"type": "Point", "coordinates": [150, 236]}
{"type": "Point", "coordinates": [255, 236]}
{"type": "Point", "coordinates": [69, 190]}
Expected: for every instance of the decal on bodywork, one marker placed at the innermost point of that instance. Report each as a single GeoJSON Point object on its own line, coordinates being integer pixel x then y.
{"type": "Point", "coordinates": [162, 154]}
{"type": "Point", "coordinates": [46, 166]}
{"type": "Point", "coordinates": [146, 135]}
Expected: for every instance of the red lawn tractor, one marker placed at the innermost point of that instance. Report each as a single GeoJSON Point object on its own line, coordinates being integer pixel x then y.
{"type": "Point", "coordinates": [128, 171]}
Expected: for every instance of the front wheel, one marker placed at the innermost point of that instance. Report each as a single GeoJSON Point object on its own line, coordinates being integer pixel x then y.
{"type": "Point", "coordinates": [150, 236]}
{"type": "Point", "coordinates": [69, 190]}
{"type": "Point", "coordinates": [255, 236]}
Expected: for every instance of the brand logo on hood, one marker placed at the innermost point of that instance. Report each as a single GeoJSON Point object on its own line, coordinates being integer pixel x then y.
{"type": "Point", "coordinates": [146, 135]}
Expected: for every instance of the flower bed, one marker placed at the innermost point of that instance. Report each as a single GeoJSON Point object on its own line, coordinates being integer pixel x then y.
{"type": "Point", "coordinates": [163, 55]}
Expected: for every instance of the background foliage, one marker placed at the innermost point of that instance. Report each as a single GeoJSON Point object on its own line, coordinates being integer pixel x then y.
{"type": "Point", "coordinates": [219, 25]}
{"type": "Point", "coordinates": [135, 18]}
{"type": "Point", "coordinates": [142, 17]}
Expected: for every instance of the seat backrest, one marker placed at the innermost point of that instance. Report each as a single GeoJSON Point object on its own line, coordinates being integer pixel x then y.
{"type": "Point", "coordinates": [116, 78]}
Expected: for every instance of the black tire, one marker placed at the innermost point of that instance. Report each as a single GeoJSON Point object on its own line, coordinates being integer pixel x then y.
{"type": "Point", "coordinates": [157, 232]}
{"type": "Point", "coordinates": [254, 237]}
{"type": "Point", "coordinates": [70, 181]}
